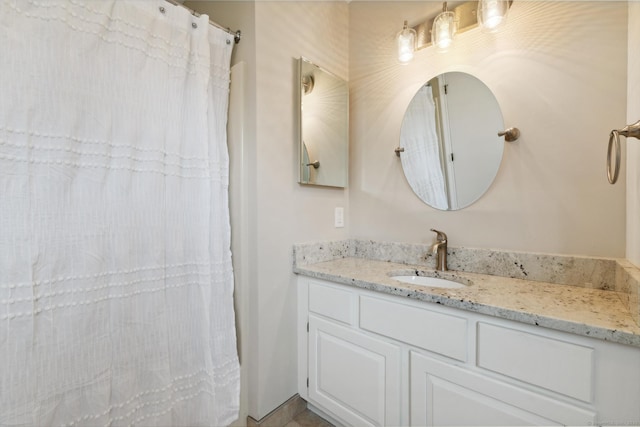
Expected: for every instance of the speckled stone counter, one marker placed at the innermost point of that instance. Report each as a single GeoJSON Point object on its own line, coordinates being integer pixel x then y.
{"type": "Point", "coordinates": [607, 310]}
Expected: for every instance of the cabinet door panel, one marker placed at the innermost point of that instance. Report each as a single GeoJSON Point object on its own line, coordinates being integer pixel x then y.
{"type": "Point", "coordinates": [354, 376]}
{"type": "Point", "coordinates": [453, 405]}
{"type": "Point", "coordinates": [443, 394]}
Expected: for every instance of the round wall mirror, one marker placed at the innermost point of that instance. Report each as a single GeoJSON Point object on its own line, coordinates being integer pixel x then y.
{"type": "Point", "coordinates": [449, 135]}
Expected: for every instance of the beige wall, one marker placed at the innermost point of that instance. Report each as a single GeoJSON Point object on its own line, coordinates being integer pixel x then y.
{"type": "Point", "coordinates": [633, 147]}
{"type": "Point", "coordinates": [280, 212]}
{"type": "Point", "coordinates": [558, 70]}
{"type": "Point", "coordinates": [288, 212]}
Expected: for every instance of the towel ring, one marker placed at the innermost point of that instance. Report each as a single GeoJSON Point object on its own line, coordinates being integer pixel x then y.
{"type": "Point", "coordinates": [629, 131]}
{"type": "Point", "coordinates": [614, 136]}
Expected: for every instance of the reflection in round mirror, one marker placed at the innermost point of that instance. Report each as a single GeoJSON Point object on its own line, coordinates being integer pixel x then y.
{"type": "Point", "coordinates": [452, 150]}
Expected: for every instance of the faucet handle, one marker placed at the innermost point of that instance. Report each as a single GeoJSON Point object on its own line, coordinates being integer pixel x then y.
{"type": "Point", "coordinates": [440, 235]}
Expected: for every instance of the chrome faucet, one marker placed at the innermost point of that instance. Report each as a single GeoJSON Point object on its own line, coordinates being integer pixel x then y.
{"type": "Point", "coordinates": [440, 250]}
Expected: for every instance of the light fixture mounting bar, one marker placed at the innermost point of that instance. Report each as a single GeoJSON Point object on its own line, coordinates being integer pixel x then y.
{"type": "Point", "coordinates": [466, 15]}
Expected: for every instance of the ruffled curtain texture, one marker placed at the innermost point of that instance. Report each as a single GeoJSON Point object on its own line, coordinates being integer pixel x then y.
{"type": "Point", "coordinates": [421, 158]}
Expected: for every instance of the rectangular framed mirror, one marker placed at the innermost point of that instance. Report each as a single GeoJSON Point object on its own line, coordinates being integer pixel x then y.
{"type": "Point", "coordinates": [324, 127]}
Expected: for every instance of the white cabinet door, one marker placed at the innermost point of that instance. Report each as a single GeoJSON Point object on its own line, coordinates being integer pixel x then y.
{"type": "Point", "coordinates": [446, 395]}
{"type": "Point", "coordinates": [353, 376]}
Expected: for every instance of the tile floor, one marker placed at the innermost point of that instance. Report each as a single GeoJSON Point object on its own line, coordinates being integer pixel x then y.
{"type": "Point", "coordinates": [307, 418]}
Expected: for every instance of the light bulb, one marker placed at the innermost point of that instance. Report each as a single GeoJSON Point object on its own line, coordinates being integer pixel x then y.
{"type": "Point", "coordinates": [406, 44]}
{"type": "Point", "coordinates": [444, 38]}
{"type": "Point", "coordinates": [492, 13]}
{"type": "Point", "coordinates": [443, 31]}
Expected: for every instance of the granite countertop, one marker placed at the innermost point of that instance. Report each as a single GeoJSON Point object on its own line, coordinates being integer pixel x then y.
{"type": "Point", "coordinates": [590, 312]}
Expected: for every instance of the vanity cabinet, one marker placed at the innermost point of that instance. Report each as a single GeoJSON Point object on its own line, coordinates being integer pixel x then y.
{"type": "Point", "coordinates": [369, 358]}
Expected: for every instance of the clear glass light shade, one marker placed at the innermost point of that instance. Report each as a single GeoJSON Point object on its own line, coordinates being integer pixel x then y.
{"type": "Point", "coordinates": [406, 40]}
{"type": "Point", "coordinates": [492, 14]}
{"type": "Point", "coordinates": [443, 31]}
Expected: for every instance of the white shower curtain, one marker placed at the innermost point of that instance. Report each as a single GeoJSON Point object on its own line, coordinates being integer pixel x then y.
{"type": "Point", "coordinates": [116, 285]}
{"type": "Point", "coordinates": [421, 157]}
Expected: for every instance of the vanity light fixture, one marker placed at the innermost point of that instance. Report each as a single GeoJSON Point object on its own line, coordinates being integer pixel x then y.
{"type": "Point", "coordinates": [440, 31]}
{"type": "Point", "coordinates": [491, 14]}
{"type": "Point", "coordinates": [444, 29]}
{"type": "Point", "coordinates": [406, 43]}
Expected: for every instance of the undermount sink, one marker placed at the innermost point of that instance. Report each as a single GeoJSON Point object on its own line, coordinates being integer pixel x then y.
{"type": "Point", "coordinates": [433, 282]}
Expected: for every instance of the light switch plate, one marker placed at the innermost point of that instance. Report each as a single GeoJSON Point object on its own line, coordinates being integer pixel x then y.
{"type": "Point", "coordinates": [339, 217]}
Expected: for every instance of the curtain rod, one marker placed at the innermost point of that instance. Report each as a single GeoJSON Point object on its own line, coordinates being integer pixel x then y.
{"type": "Point", "coordinates": [237, 35]}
